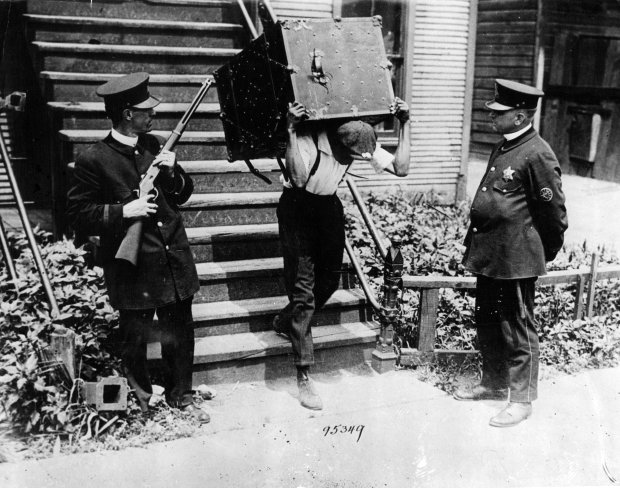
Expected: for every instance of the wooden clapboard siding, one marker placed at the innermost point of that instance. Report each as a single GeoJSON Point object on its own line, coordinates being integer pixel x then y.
{"type": "Point", "coordinates": [505, 48]}
{"type": "Point", "coordinates": [438, 58]}
{"type": "Point", "coordinates": [302, 8]}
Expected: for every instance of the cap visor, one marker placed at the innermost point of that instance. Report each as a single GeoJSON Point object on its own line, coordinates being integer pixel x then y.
{"type": "Point", "coordinates": [148, 103]}
{"type": "Point", "coordinates": [493, 105]}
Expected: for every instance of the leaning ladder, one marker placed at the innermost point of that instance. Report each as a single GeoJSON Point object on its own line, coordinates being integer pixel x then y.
{"type": "Point", "coordinates": [6, 160]}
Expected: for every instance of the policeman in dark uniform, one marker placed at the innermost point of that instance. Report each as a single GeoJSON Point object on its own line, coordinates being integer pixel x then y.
{"type": "Point", "coordinates": [518, 219]}
{"type": "Point", "coordinates": [103, 202]}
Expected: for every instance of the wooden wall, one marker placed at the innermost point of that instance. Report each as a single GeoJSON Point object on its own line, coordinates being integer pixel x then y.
{"type": "Point", "coordinates": [582, 80]}
{"type": "Point", "coordinates": [302, 8]}
{"type": "Point", "coordinates": [441, 72]}
{"type": "Point", "coordinates": [505, 48]}
{"type": "Point", "coordinates": [438, 75]}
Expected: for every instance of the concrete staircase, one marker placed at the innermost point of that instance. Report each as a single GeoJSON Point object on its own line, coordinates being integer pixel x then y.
{"type": "Point", "coordinates": [231, 217]}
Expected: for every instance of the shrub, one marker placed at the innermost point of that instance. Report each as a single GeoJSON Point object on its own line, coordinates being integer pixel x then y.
{"type": "Point", "coordinates": [432, 236]}
{"type": "Point", "coordinates": [31, 395]}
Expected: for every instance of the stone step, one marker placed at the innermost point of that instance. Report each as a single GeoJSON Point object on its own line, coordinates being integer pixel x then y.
{"type": "Point", "coordinates": [247, 279]}
{"type": "Point", "coordinates": [256, 314]}
{"type": "Point", "coordinates": [259, 356]}
{"type": "Point", "coordinates": [67, 56]}
{"type": "Point", "coordinates": [99, 30]}
{"type": "Point", "coordinates": [91, 115]}
{"type": "Point", "coordinates": [192, 145]}
{"type": "Point", "coordinates": [239, 280]}
{"type": "Point", "coordinates": [229, 243]}
{"type": "Point", "coordinates": [223, 176]}
{"type": "Point", "coordinates": [182, 10]}
{"type": "Point", "coordinates": [80, 87]}
{"type": "Point", "coordinates": [241, 208]}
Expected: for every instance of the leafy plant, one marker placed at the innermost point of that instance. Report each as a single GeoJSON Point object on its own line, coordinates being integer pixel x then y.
{"type": "Point", "coordinates": [431, 239]}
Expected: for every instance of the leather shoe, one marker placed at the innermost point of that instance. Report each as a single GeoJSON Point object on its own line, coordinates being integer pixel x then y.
{"type": "Point", "coordinates": [480, 392]}
{"type": "Point", "coordinates": [308, 397]}
{"type": "Point", "coordinates": [279, 326]}
{"type": "Point", "coordinates": [197, 413]}
{"type": "Point", "coordinates": [512, 414]}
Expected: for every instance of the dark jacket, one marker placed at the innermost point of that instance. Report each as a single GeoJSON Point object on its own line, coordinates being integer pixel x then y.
{"type": "Point", "coordinates": [518, 217]}
{"type": "Point", "coordinates": [106, 177]}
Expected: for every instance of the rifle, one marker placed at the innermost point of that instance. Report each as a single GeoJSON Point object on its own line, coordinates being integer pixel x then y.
{"type": "Point", "coordinates": [130, 246]}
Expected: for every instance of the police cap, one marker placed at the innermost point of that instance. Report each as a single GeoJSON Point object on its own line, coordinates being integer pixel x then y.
{"type": "Point", "coordinates": [128, 91]}
{"type": "Point", "coordinates": [510, 95]}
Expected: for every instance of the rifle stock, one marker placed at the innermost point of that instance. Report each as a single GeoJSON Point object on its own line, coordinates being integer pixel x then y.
{"type": "Point", "coordinates": [130, 245]}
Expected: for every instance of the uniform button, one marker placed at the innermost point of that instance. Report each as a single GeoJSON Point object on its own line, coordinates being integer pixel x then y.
{"type": "Point", "coordinates": [167, 248]}
{"type": "Point", "coordinates": [504, 190]}
{"type": "Point", "coordinates": [493, 168]}
{"type": "Point", "coordinates": [484, 188]}
{"type": "Point", "coordinates": [160, 224]}
{"type": "Point", "coordinates": [475, 229]}
{"type": "Point", "coordinates": [136, 152]}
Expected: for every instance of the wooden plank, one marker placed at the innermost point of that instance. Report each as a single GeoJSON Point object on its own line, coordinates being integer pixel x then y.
{"type": "Point", "coordinates": [493, 5]}
{"type": "Point", "coordinates": [444, 7]}
{"type": "Point", "coordinates": [447, 3]}
{"type": "Point", "coordinates": [433, 41]}
{"type": "Point", "coordinates": [434, 15]}
{"type": "Point", "coordinates": [507, 16]}
{"type": "Point", "coordinates": [592, 288]}
{"type": "Point", "coordinates": [505, 38]}
{"type": "Point", "coordinates": [485, 138]}
{"type": "Point", "coordinates": [439, 32]}
{"type": "Point", "coordinates": [493, 72]}
{"type": "Point", "coordinates": [515, 26]}
{"type": "Point", "coordinates": [505, 50]}
{"type": "Point", "coordinates": [429, 300]}
{"type": "Point", "coordinates": [506, 61]}
{"type": "Point", "coordinates": [430, 22]}
{"type": "Point", "coordinates": [578, 309]}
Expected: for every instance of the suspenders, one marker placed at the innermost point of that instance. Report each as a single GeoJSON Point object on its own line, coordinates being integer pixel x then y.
{"type": "Point", "coordinates": [317, 161]}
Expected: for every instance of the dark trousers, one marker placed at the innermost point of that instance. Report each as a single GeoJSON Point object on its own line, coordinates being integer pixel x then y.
{"type": "Point", "coordinates": [312, 236]}
{"type": "Point", "coordinates": [507, 336]}
{"type": "Point", "coordinates": [177, 348]}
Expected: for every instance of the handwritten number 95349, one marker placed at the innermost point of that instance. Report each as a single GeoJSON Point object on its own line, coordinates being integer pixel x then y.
{"type": "Point", "coordinates": [343, 429]}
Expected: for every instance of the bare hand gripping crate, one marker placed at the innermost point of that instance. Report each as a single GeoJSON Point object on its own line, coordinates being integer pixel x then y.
{"type": "Point", "coordinates": [337, 68]}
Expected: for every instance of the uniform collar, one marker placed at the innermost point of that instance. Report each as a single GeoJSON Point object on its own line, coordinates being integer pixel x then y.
{"type": "Point", "coordinates": [123, 139]}
{"type": "Point", "coordinates": [515, 135]}
{"type": "Point", "coordinates": [521, 139]}
{"type": "Point", "coordinates": [119, 146]}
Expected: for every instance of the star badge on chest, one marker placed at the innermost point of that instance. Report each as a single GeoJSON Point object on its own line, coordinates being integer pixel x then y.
{"type": "Point", "coordinates": [507, 174]}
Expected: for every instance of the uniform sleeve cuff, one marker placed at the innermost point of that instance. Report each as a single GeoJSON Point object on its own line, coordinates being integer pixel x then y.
{"type": "Point", "coordinates": [113, 217]}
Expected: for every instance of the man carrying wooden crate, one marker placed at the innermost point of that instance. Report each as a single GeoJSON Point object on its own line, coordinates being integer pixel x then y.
{"type": "Point", "coordinates": [311, 220]}
{"type": "Point", "coordinates": [518, 219]}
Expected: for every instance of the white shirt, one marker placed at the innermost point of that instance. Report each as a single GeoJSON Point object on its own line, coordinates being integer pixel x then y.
{"type": "Point", "coordinates": [330, 172]}
{"type": "Point", "coordinates": [514, 135]}
{"type": "Point", "coordinates": [123, 139]}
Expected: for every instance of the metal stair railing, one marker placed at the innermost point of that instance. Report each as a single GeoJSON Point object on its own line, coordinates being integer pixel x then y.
{"type": "Point", "coordinates": [6, 160]}
{"type": "Point", "coordinates": [388, 309]}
